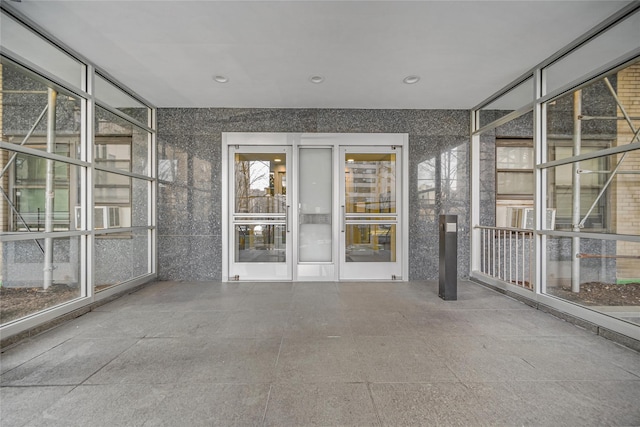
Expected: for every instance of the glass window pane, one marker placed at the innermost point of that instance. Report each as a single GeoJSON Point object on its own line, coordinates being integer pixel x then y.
{"type": "Point", "coordinates": [370, 243]}
{"type": "Point", "coordinates": [515, 183]}
{"type": "Point", "coordinates": [601, 125]}
{"type": "Point", "coordinates": [370, 182]}
{"type": "Point", "coordinates": [116, 98]}
{"type": "Point", "coordinates": [120, 201]}
{"type": "Point", "coordinates": [25, 184]}
{"type": "Point", "coordinates": [119, 144]}
{"type": "Point", "coordinates": [120, 257]}
{"type": "Point", "coordinates": [315, 192]}
{"type": "Point", "coordinates": [22, 265]}
{"type": "Point", "coordinates": [600, 119]}
{"type": "Point", "coordinates": [511, 101]}
{"type": "Point", "coordinates": [261, 243]}
{"type": "Point", "coordinates": [514, 158]}
{"type": "Point", "coordinates": [616, 211]}
{"type": "Point", "coordinates": [609, 275]}
{"type": "Point", "coordinates": [34, 48]}
{"type": "Point", "coordinates": [24, 105]}
{"type": "Point", "coordinates": [612, 44]}
{"type": "Point", "coordinates": [260, 183]}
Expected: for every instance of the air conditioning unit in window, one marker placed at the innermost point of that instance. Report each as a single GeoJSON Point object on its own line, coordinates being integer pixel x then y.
{"type": "Point", "coordinates": [100, 217]}
{"type": "Point", "coordinates": [519, 217]}
{"type": "Point", "coordinates": [112, 217]}
{"type": "Point", "coordinates": [106, 217]}
{"type": "Point", "coordinates": [522, 217]}
{"type": "Point", "coordinates": [78, 217]}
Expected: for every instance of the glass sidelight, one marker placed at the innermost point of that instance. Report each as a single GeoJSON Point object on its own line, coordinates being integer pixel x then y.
{"type": "Point", "coordinates": [315, 203]}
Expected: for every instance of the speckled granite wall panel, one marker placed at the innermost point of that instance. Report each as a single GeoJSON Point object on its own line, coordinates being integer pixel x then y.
{"type": "Point", "coordinates": [189, 146]}
{"type": "Point", "coordinates": [596, 101]}
{"type": "Point", "coordinates": [488, 179]}
{"type": "Point", "coordinates": [438, 122]}
{"type": "Point", "coordinates": [522, 127]}
{"type": "Point", "coordinates": [255, 120]}
{"type": "Point", "coordinates": [441, 163]}
{"type": "Point", "coordinates": [362, 121]}
{"type": "Point", "coordinates": [195, 257]}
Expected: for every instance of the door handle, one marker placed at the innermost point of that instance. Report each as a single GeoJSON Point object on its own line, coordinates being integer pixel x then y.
{"type": "Point", "coordinates": [286, 219]}
{"type": "Point", "coordinates": [344, 217]}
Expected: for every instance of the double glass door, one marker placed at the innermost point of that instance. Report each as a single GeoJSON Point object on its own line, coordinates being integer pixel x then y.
{"type": "Point", "coordinates": [315, 213]}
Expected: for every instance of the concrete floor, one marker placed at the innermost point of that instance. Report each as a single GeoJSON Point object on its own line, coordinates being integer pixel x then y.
{"type": "Point", "coordinates": [247, 354]}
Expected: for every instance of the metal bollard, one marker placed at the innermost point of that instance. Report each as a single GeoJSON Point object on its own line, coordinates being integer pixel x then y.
{"type": "Point", "coordinates": [448, 286]}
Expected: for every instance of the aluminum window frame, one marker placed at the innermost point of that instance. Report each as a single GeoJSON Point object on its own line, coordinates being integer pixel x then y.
{"type": "Point", "coordinates": [538, 105]}
{"type": "Point", "coordinates": [88, 167]}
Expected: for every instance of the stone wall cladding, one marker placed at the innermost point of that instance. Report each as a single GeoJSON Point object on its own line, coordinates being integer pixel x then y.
{"type": "Point", "coordinates": [189, 198]}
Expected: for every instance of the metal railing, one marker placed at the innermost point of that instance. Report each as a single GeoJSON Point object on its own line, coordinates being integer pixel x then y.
{"type": "Point", "coordinates": [507, 254]}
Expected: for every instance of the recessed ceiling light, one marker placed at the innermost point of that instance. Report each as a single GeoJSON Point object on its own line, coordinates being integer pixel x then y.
{"type": "Point", "coordinates": [350, 160]}
{"type": "Point", "coordinates": [277, 160]}
{"type": "Point", "coordinates": [411, 79]}
{"type": "Point", "coordinates": [221, 79]}
{"type": "Point", "coordinates": [316, 79]}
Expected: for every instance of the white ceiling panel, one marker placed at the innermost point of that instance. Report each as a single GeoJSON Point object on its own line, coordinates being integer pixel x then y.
{"type": "Point", "coordinates": [169, 51]}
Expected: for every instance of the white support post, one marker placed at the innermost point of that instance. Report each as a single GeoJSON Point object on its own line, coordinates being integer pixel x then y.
{"type": "Point", "coordinates": [575, 217]}
{"type": "Point", "coordinates": [49, 189]}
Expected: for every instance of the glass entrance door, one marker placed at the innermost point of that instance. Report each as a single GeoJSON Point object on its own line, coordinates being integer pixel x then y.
{"type": "Point", "coordinates": [260, 220]}
{"type": "Point", "coordinates": [370, 199]}
{"type": "Point", "coordinates": [319, 207]}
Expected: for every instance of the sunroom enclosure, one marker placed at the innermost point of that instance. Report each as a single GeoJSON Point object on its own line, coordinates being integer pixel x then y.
{"type": "Point", "coordinates": [556, 180]}
{"type": "Point", "coordinates": [77, 181]}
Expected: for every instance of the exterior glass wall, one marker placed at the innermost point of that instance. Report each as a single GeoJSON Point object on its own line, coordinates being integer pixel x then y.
{"type": "Point", "coordinates": [77, 182]}
{"type": "Point", "coordinates": [556, 200]}
{"type": "Point", "coordinates": [595, 192]}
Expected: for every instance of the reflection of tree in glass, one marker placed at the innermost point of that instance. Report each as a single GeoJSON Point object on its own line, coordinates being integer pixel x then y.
{"type": "Point", "coordinates": [427, 188]}
{"type": "Point", "coordinates": [252, 177]}
{"type": "Point", "coordinates": [255, 188]}
{"type": "Point", "coordinates": [439, 184]}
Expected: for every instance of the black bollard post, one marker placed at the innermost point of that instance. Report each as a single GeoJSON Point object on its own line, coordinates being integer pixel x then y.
{"type": "Point", "coordinates": [448, 286]}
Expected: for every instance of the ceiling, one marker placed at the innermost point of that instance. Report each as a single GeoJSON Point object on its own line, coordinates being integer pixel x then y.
{"type": "Point", "coordinates": [463, 51]}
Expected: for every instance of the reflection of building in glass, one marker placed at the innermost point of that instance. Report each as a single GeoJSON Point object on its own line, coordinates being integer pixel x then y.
{"type": "Point", "coordinates": [44, 183]}
{"type": "Point", "coordinates": [370, 188]}
{"type": "Point", "coordinates": [371, 185]}
{"type": "Point", "coordinates": [590, 186]}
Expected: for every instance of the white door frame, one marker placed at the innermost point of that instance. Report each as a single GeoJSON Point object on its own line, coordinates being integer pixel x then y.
{"type": "Point", "coordinates": [262, 270]}
{"type": "Point", "coordinates": [371, 270]}
{"type": "Point", "coordinates": [296, 140]}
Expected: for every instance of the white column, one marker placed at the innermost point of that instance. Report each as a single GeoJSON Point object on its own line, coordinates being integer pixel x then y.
{"type": "Point", "coordinates": [575, 217]}
{"type": "Point", "coordinates": [49, 189]}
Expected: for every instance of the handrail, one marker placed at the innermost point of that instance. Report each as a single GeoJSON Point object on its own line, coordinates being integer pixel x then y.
{"type": "Point", "coordinates": [607, 256]}
{"type": "Point", "coordinates": [506, 253]}
{"type": "Point", "coordinates": [488, 227]}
